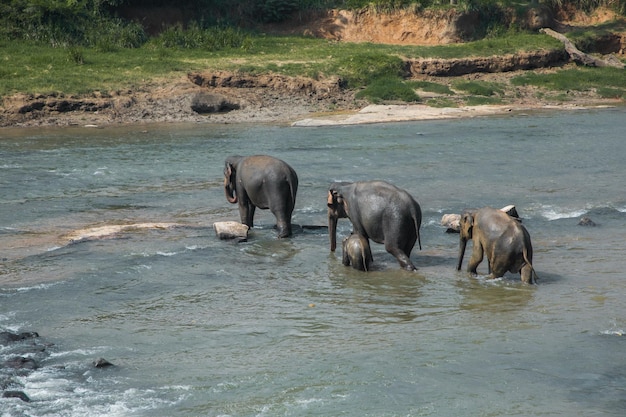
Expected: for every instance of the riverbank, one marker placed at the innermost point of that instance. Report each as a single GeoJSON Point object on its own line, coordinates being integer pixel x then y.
{"type": "Point", "coordinates": [291, 101]}
{"type": "Point", "coordinates": [222, 97]}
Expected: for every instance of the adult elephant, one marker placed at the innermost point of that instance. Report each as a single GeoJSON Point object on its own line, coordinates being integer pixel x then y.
{"type": "Point", "coordinates": [502, 238]}
{"type": "Point", "coordinates": [265, 182]}
{"type": "Point", "coordinates": [378, 211]}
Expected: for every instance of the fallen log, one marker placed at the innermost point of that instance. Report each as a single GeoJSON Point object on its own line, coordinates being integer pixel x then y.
{"type": "Point", "coordinates": [580, 57]}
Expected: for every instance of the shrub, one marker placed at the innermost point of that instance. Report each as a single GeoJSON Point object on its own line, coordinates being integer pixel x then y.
{"type": "Point", "coordinates": [210, 39]}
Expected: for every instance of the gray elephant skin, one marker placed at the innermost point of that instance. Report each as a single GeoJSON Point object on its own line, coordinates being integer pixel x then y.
{"type": "Point", "coordinates": [265, 182]}
{"type": "Point", "coordinates": [357, 252]}
{"type": "Point", "coordinates": [378, 211]}
{"type": "Point", "coordinates": [502, 238]}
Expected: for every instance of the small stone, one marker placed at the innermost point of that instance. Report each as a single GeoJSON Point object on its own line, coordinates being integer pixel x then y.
{"type": "Point", "coordinates": [586, 221]}
{"type": "Point", "coordinates": [102, 363]}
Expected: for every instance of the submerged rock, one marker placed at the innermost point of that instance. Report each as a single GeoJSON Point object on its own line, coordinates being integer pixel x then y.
{"type": "Point", "coordinates": [586, 221]}
{"type": "Point", "coordinates": [102, 363]}
{"type": "Point", "coordinates": [16, 394]}
{"type": "Point", "coordinates": [8, 337]}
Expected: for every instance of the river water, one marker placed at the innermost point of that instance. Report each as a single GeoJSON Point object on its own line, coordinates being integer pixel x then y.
{"type": "Point", "coordinates": [196, 326]}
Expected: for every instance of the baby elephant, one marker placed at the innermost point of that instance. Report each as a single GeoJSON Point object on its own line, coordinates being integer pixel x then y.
{"type": "Point", "coordinates": [357, 252]}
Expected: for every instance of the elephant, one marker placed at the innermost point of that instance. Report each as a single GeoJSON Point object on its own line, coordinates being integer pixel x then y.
{"type": "Point", "coordinates": [265, 182]}
{"type": "Point", "coordinates": [504, 240]}
{"type": "Point", "coordinates": [357, 252]}
{"type": "Point", "coordinates": [378, 211]}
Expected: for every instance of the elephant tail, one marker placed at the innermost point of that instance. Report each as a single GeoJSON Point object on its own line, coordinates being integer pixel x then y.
{"type": "Point", "coordinates": [533, 277]}
{"type": "Point", "coordinates": [417, 228]}
{"type": "Point", "coordinates": [293, 189]}
{"type": "Point", "coordinates": [419, 240]}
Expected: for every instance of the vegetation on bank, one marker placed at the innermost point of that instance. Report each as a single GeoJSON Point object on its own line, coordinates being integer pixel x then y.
{"type": "Point", "coordinates": [83, 47]}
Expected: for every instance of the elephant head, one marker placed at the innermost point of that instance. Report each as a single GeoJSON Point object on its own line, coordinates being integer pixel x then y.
{"type": "Point", "coordinates": [337, 209]}
{"type": "Point", "coordinates": [466, 228]}
{"type": "Point", "coordinates": [230, 179]}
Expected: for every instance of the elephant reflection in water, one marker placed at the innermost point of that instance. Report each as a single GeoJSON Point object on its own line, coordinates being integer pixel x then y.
{"type": "Point", "coordinates": [500, 237]}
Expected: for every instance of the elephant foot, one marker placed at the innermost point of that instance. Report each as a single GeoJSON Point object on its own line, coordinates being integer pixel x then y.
{"type": "Point", "coordinates": [409, 267]}
{"type": "Point", "coordinates": [283, 233]}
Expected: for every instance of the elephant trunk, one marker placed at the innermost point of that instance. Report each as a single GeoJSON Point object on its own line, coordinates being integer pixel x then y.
{"type": "Point", "coordinates": [332, 230]}
{"type": "Point", "coordinates": [462, 245]}
{"type": "Point", "coordinates": [229, 192]}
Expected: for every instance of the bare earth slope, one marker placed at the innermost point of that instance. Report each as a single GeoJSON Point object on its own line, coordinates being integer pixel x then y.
{"type": "Point", "coordinates": [218, 97]}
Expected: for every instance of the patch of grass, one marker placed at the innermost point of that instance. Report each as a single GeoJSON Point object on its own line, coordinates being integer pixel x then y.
{"type": "Point", "coordinates": [481, 100]}
{"type": "Point", "coordinates": [616, 93]}
{"type": "Point", "coordinates": [431, 87]}
{"type": "Point", "coordinates": [479, 88]}
{"type": "Point", "coordinates": [388, 89]}
{"type": "Point", "coordinates": [367, 68]}
{"type": "Point", "coordinates": [440, 102]}
{"type": "Point", "coordinates": [579, 79]}
{"type": "Point", "coordinates": [209, 39]}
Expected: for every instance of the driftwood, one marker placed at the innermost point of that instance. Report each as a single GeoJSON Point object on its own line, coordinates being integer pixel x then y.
{"type": "Point", "coordinates": [580, 57]}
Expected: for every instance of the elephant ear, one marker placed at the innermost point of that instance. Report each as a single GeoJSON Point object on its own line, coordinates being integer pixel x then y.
{"type": "Point", "coordinates": [334, 198]}
{"type": "Point", "coordinates": [467, 223]}
{"type": "Point", "coordinates": [228, 170]}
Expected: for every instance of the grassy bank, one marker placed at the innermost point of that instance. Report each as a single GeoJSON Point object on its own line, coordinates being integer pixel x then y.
{"type": "Point", "coordinates": [37, 69]}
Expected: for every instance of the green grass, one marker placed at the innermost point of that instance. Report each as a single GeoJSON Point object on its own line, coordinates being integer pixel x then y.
{"type": "Point", "coordinates": [430, 87]}
{"type": "Point", "coordinates": [29, 67]}
{"type": "Point", "coordinates": [377, 69]}
{"type": "Point", "coordinates": [388, 89]}
{"type": "Point", "coordinates": [578, 79]}
{"type": "Point", "coordinates": [479, 88]}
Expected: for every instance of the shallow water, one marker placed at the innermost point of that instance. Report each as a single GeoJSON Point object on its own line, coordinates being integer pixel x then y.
{"type": "Point", "coordinates": [202, 327]}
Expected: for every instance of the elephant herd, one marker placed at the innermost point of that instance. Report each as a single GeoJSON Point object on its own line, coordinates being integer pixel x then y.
{"type": "Point", "coordinates": [378, 211]}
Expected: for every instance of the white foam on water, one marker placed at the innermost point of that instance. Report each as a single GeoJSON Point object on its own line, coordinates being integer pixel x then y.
{"type": "Point", "coordinates": [552, 213]}
{"type": "Point", "coordinates": [53, 392]}
{"type": "Point", "coordinates": [167, 253]}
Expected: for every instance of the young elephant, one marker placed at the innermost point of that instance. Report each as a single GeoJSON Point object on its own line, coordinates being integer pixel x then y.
{"type": "Point", "coordinates": [265, 182]}
{"type": "Point", "coordinates": [502, 238]}
{"type": "Point", "coordinates": [357, 252]}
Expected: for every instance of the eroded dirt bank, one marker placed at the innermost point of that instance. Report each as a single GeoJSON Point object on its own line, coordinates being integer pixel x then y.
{"type": "Point", "coordinates": [220, 97]}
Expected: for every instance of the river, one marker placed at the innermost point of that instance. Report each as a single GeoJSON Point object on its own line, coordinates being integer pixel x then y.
{"type": "Point", "coordinates": [196, 326]}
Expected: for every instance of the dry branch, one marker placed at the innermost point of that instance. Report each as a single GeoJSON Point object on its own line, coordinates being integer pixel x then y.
{"type": "Point", "coordinates": [580, 57]}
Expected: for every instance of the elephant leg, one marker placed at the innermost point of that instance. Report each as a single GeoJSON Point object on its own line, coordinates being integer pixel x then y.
{"type": "Point", "coordinates": [283, 223]}
{"type": "Point", "coordinates": [247, 215]}
{"type": "Point", "coordinates": [528, 274]}
{"type": "Point", "coordinates": [403, 258]}
{"type": "Point", "coordinates": [476, 258]}
{"type": "Point", "coordinates": [345, 258]}
{"type": "Point", "coordinates": [408, 246]}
